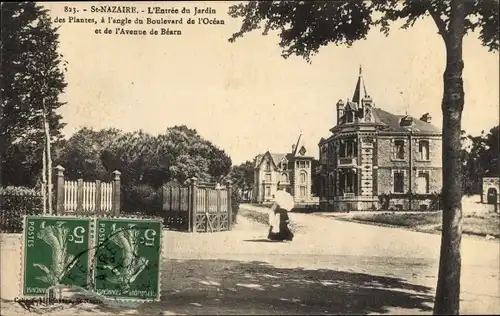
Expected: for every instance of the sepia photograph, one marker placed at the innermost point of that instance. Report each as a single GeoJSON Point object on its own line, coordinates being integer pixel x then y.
{"type": "Point", "coordinates": [250, 157]}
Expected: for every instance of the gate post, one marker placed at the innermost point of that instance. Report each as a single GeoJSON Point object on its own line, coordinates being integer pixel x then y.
{"type": "Point", "coordinates": [192, 210]}
{"type": "Point", "coordinates": [59, 190]}
{"type": "Point", "coordinates": [116, 192]}
{"type": "Point", "coordinates": [229, 205]}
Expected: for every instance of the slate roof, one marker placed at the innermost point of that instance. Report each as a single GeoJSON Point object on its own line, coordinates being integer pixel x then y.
{"type": "Point", "coordinates": [387, 119]}
{"type": "Point", "coordinates": [392, 122]}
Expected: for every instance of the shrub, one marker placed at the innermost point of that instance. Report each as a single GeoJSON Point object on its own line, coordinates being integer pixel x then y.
{"type": "Point", "coordinates": [141, 199]}
{"type": "Point", "coordinates": [15, 202]}
{"type": "Point", "coordinates": [235, 204]}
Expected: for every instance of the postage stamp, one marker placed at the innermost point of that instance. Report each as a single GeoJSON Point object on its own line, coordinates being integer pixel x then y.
{"type": "Point", "coordinates": [56, 252]}
{"type": "Point", "coordinates": [127, 258]}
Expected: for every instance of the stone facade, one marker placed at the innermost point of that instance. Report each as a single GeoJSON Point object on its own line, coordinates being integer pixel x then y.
{"type": "Point", "coordinates": [290, 169]}
{"type": "Point", "coordinates": [491, 190]}
{"type": "Point", "coordinates": [373, 152]}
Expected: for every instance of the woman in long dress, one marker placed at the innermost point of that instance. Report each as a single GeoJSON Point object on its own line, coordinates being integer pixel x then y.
{"type": "Point", "coordinates": [278, 218]}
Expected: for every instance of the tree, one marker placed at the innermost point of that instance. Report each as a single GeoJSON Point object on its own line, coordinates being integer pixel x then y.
{"type": "Point", "coordinates": [479, 159]}
{"type": "Point", "coordinates": [315, 178]}
{"type": "Point", "coordinates": [219, 164]}
{"type": "Point", "coordinates": [178, 154]}
{"type": "Point", "coordinates": [31, 80]}
{"type": "Point", "coordinates": [82, 154]}
{"type": "Point", "coordinates": [489, 152]}
{"type": "Point", "coordinates": [242, 176]}
{"type": "Point", "coordinates": [305, 26]}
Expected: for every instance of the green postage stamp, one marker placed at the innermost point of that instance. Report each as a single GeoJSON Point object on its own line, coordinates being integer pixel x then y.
{"type": "Point", "coordinates": [56, 251]}
{"type": "Point", "coordinates": [127, 258]}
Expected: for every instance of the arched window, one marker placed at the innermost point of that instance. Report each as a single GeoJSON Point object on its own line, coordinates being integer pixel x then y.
{"type": "Point", "coordinates": [284, 177]}
{"type": "Point", "coordinates": [303, 177]}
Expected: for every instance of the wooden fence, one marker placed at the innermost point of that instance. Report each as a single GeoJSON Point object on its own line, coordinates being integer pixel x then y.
{"type": "Point", "coordinates": [197, 207]}
{"type": "Point", "coordinates": [78, 197]}
{"type": "Point", "coordinates": [71, 197]}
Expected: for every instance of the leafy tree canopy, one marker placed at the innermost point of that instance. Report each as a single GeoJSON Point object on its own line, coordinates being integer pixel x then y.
{"type": "Point", "coordinates": [178, 154]}
{"type": "Point", "coordinates": [32, 75]}
{"type": "Point", "coordinates": [305, 26]}
{"type": "Point", "coordinates": [242, 175]}
{"type": "Point", "coordinates": [480, 159]}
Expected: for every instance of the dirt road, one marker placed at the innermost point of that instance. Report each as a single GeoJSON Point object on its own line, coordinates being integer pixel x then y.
{"type": "Point", "coordinates": [331, 267]}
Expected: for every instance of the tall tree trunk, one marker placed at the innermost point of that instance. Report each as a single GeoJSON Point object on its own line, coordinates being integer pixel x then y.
{"type": "Point", "coordinates": [46, 129]}
{"type": "Point", "coordinates": [448, 286]}
{"type": "Point", "coordinates": [44, 179]}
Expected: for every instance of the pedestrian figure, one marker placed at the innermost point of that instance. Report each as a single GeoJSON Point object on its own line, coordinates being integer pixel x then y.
{"type": "Point", "coordinates": [278, 215]}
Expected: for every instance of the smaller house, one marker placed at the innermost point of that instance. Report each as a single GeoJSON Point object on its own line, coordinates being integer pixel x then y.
{"type": "Point", "coordinates": [491, 189]}
{"type": "Point", "coordinates": [293, 170]}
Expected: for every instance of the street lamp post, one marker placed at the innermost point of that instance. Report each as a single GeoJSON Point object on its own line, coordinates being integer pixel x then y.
{"type": "Point", "coordinates": [410, 172]}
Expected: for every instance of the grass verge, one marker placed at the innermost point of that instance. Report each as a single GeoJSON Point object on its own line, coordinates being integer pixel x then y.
{"type": "Point", "coordinates": [255, 216]}
{"type": "Point", "coordinates": [474, 224]}
{"type": "Point", "coordinates": [263, 218]}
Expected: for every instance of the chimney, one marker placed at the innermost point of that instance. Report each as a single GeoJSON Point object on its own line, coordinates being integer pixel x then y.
{"type": "Point", "coordinates": [340, 110]}
{"type": "Point", "coordinates": [426, 118]}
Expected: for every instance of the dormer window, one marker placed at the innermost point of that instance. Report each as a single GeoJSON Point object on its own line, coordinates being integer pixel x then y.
{"type": "Point", "coordinates": [268, 166]}
{"type": "Point", "coordinates": [349, 117]}
{"type": "Point", "coordinates": [284, 164]}
{"type": "Point", "coordinates": [406, 121]}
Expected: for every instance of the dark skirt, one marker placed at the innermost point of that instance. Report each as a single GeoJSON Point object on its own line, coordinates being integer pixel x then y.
{"type": "Point", "coordinates": [284, 232]}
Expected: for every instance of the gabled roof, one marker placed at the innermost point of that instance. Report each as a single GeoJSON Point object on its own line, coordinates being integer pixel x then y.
{"type": "Point", "coordinates": [275, 158]}
{"type": "Point", "coordinates": [392, 121]}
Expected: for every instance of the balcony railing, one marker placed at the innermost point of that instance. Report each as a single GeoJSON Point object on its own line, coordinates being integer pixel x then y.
{"type": "Point", "coordinates": [350, 161]}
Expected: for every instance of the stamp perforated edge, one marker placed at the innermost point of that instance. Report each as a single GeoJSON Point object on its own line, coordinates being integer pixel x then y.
{"type": "Point", "coordinates": [22, 247]}
{"type": "Point", "coordinates": [160, 256]}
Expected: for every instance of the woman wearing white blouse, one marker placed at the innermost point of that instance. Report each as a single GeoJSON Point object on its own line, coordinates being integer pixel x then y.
{"type": "Point", "coordinates": [278, 215]}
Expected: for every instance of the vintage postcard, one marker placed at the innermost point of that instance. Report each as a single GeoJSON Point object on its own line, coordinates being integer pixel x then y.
{"type": "Point", "coordinates": [250, 157]}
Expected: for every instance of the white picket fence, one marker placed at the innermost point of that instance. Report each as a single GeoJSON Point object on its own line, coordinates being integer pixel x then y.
{"type": "Point", "coordinates": [88, 197]}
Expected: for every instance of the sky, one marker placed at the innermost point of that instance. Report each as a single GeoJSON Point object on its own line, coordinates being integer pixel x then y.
{"type": "Point", "coordinates": [243, 96]}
